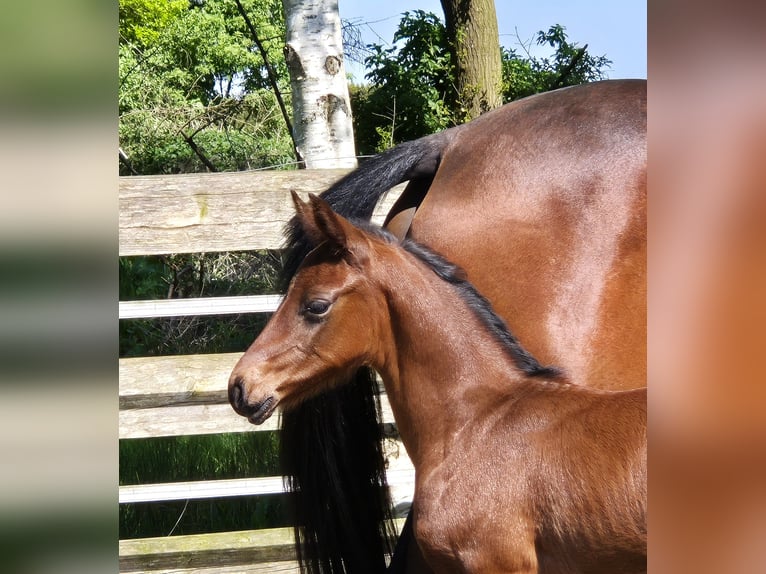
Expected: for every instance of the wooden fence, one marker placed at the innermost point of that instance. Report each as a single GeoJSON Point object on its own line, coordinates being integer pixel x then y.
{"type": "Point", "coordinates": [186, 395]}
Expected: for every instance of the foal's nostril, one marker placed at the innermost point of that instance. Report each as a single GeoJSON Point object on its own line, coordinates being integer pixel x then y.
{"type": "Point", "coordinates": [237, 393]}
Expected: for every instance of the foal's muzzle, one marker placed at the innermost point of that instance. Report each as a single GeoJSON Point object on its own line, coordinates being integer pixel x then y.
{"type": "Point", "coordinates": [256, 413]}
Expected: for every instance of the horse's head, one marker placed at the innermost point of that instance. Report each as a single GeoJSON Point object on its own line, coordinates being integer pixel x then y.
{"type": "Point", "coordinates": [327, 326]}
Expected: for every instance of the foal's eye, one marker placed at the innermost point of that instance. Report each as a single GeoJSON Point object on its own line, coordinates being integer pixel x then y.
{"type": "Point", "coordinates": [316, 308]}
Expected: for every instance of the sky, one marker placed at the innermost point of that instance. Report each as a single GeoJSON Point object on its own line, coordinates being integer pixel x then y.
{"type": "Point", "coordinates": [614, 28]}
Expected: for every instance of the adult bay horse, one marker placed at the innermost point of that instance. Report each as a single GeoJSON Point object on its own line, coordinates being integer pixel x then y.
{"type": "Point", "coordinates": [517, 470]}
{"type": "Point", "coordinates": [543, 203]}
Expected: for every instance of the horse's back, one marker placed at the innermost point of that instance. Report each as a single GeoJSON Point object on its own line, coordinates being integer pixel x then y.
{"type": "Point", "coordinates": [543, 203]}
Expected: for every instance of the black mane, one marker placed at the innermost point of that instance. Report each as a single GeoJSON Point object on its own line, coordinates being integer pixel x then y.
{"type": "Point", "coordinates": [482, 308]}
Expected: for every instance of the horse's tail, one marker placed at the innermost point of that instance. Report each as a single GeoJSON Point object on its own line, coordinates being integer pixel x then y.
{"type": "Point", "coordinates": [356, 195]}
{"type": "Point", "coordinates": [331, 446]}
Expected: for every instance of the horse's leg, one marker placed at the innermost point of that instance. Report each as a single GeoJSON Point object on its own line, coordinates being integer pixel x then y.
{"type": "Point", "coordinates": [400, 217]}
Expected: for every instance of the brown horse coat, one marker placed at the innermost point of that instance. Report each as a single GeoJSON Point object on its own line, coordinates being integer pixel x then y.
{"type": "Point", "coordinates": [517, 470]}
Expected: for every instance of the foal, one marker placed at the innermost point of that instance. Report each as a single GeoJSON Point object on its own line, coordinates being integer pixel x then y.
{"type": "Point", "coordinates": [517, 470]}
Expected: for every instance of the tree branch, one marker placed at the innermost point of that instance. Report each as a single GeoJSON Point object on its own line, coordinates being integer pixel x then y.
{"type": "Point", "coordinates": [200, 154]}
{"type": "Point", "coordinates": [272, 77]}
{"type": "Point", "coordinates": [559, 82]}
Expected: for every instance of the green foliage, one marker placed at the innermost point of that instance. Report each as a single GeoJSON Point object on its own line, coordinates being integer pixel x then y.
{"type": "Point", "coordinates": [142, 21]}
{"type": "Point", "coordinates": [200, 51]}
{"type": "Point", "coordinates": [193, 92]}
{"type": "Point", "coordinates": [412, 84]}
{"type": "Point", "coordinates": [234, 134]}
{"type": "Point", "coordinates": [569, 65]}
{"type": "Point", "coordinates": [189, 458]}
{"type": "Point", "coordinates": [412, 91]}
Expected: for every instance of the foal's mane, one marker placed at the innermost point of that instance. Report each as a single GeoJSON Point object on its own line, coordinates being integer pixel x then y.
{"type": "Point", "coordinates": [481, 307]}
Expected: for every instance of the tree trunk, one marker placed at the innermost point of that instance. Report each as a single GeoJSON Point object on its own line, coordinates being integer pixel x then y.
{"type": "Point", "coordinates": [475, 44]}
{"type": "Point", "coordinates": [322, 125]}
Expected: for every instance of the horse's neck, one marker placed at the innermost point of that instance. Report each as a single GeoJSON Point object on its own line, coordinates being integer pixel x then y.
{"type": "Point", "coordinates": [443, 364]}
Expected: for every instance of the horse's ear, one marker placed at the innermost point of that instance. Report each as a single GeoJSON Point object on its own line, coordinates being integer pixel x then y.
{"type": "Point", "coordinates": [300, 209]}
{"type": "Point", "coordinates": [321, 224]}
{"type": "Point", "coordinates": [337, 231]}
{"type": "Point", "coordinates": [305, 215]}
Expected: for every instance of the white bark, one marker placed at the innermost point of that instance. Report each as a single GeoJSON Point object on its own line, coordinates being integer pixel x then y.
{"type": "Point", "coordinates": [321, 108]}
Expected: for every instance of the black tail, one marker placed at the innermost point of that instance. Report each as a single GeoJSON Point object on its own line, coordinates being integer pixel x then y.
{"type": "Point", "coordinates": [357, 194]}
{"type": "Point", "coordinates": [331, 449]}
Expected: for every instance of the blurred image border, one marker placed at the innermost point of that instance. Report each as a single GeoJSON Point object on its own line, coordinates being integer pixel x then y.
{"type": "Point", "coordinates": [707, 280]}
{"type": "Point", "coordinates": [58, 294]}
{"type": "Point", "coordinates": [58, 287]}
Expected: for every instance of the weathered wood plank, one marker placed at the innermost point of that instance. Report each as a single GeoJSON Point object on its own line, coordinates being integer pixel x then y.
{"type": "Point", "coordinates": [217, 553]}
{"type": "Point", "coordinates": [184, 394]}
{"type": "Point", "coordinates": [186, 420]}
{"type": "Point", "coordinates": [175, 380]}
{"type": "Point", "coordinates": [210, 212]}
{"type": "Point", "coordinates": [198, 419]}
{"type": "Point", "coordinates": [207, 550]}
{"type": "Point", "coordinates": [201, 489]}
{"type": "Point", "coordinates": [283, 567]}
{"type": "Point", "coordinates": [199, 306]}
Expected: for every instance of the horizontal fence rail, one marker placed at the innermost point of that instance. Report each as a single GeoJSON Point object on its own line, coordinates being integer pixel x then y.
{"type": "Point", "coordinates": [246, 552]}
{"type": "Point", "coordinates": [199, 306]}
{"type": "Point", "coordinates": [226, 488]}
{"type": "Point", "coordinates": [270, 550]}
{"type": "Point", "coordinates": [211, 212]}
{"type": "Point", "coordinates": [202, 489]}
{"type": "Point", "coordinates": [187, 394]}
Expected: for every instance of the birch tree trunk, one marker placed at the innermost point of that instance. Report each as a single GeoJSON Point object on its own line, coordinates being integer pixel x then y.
{"type": "Point", "coordinates": [322, 125]}
{"type": "Point", "coordinates": [475, 44]}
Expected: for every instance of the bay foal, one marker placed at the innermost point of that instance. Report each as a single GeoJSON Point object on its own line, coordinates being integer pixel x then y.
{"type": "Point", "coordinates": [517, 469]}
